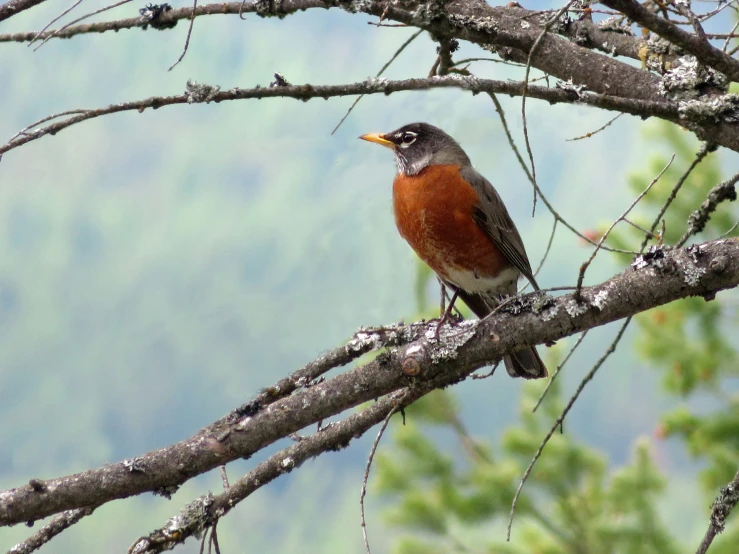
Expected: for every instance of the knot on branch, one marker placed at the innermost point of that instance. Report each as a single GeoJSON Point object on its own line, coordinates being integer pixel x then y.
{"type": "Point", "coordinates": [654, 257]}
{"type": "Point", "coordinates": [135, 465]}
{"type": "Point", "coordinates": [279, 81]}
{"type": "Point", "coordinates": [717, 109]}
{"type": "Point", "coordinates": [192, 520]}
{"type": "Point", "coordinates": [698, 219]}
{"type": "Point", "coordinates": [688, 79]}
{"type": "Point", "coordinates": [656, 54]}
{"type": "Point", "coordinates": [430, 10]}
{"type": "Point", "coordinates": [616, 24]}
{"type": "Point", "coordinates": [571, 87]}
{"type": "Point", "coordinates": [560, 26]}
{"type": "Point", "coordinates": [536, 303]}
{"type": "Point", "coordinates": [199, 92]}
{"type": "Point", "coordinates": [722, 506]}
{"type": "Point", "coordinates": [152, 13]}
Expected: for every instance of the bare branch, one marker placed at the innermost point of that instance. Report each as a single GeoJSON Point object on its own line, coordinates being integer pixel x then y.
{"type": "Point", "coordinates": [52, 34]}
{"type": "Point", "coordinates": [555, 374]}
{"type": "Point", "coordinates": [371, 457]}
{"type": "Point", "coordinates": [702, 153]}
{"type": "Point", "coordinates": [610, 350]}
{"type": "Point", "coordinates": [59, 523]}
{"type": "Point", "coordinates": [198, 93]}
{"type": "Point", "coordinates": [598, 130]}
{"type": "Point", "coordinates": [529, 59]}
{"type": "Point", "coordinates": [654, 280]}
{"type": "Point", "coordinates": [698, 219]}
{"type": "Point", "coordinates": [394, 57]}
{"type": "Point", "coordinates": [473, 21]}
{"type": "Point", "coordinates": [584, 266]}
{"type": "Point", "coordinates": [189, 34]}
{"type": "Point", "coordinates": [57, 18]}
{"type": "Point", "coordinates": [12, 7]}
{"type": "Point", "coordinates": [204, 512]}
{"type": "Point", "coordinates": [699, 47]}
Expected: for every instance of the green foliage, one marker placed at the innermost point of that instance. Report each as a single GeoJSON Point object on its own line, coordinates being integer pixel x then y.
{"type": "Point", "coordinates": [458, 499]}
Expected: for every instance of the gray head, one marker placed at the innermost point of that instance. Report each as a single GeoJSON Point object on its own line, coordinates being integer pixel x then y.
{"type": "Point", "coordinates": [419, 145]}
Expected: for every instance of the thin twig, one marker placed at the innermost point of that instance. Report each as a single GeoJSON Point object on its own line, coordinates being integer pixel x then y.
{"type": "Point", "coordinates": [584, 267]}
{"type": "Point", "coordinates": [546, 253]}
{"type": "Point", "coordinates": [57, 18]}
{"type": "Point", "coordinates": [702, 153]}
{"type": "Point", "coordinates": [731, 230]}
{"type": "Point", "coordinates": [224, 478]}
{"type": "Point", "coordinates": [530, 177]}
{"type": "Point", "coordinates": [371, 457]}
{"type": "Point", "coordinates": [561, 418]}
{"type": "Point", "coordinates": [559, 368]}
{"type": "Point", "coordinates": [494, 60]}
{"type": "Point", "coordinates": [25, 130]}
{"type": "Point", "coordinates": [509, 136]}
{"type": "Point", "coordinates": [598, 130]}
{"type": "Point", "coordinates": [728, 37]}
{"type": "Point", "coordinates": [61, 29]}
{"type": "Point", "coordinates": [403, 46]}
{"type": "Point", "coordinates": [642, 229]}
{"type": "Point", "coordinates": [548, 248]}
{"type": "Point", "coordinates": [533, 49]}
{"type": "Point", "coordinates": [187, 40]}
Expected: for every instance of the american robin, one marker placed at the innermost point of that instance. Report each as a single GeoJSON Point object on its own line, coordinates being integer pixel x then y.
{"type": "Point", "coordinates": [457, 223]}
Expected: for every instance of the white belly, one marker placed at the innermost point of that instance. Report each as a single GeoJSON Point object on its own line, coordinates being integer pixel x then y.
{"type": "Point", "coordinates": [504, 283]}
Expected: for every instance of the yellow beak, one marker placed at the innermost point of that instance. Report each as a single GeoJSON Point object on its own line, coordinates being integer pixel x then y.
{"type": "Point", "coordinates": [379, 139]}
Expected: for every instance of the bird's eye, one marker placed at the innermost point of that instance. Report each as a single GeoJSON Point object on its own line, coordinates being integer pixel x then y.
{"type": "Point", "coordinates": [408, 138]}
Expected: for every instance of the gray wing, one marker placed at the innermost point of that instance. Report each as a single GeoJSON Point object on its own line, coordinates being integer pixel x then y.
{"type": "Point", "coordinates": [493, 218]}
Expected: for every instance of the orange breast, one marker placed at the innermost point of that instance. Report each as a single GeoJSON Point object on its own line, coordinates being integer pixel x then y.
{"type": "Point", "coordinates": [433, 212]}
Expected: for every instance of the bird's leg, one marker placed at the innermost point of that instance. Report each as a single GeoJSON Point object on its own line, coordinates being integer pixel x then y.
{"type": "Point", "coordinates": [445, 315]}
{"type": "Point", "coordinates": [443, 298]}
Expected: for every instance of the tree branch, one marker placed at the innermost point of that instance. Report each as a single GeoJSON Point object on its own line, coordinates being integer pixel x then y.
{"type": "Point", "coordinates": [720, 510]}
{"type": "Point", "coordinates": [205, 511]}
{"type": "Point", "coordinates": [698, 219]}
{"type": "Point", "coordinates": [59, 523]}
{"type": "Point", "coordinates": [657, 278]}
{"type": "Point", "coordinates": [724, 134]}
{"type": "Point", "coordinates": [471, 20]}
{"type": "Point", "coordinates": [13, 7]}
{"type": "Point", "coordinates": [692, 43]}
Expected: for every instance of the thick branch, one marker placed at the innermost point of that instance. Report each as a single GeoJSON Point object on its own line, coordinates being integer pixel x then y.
{"type": "Point", "coordinates": [471, 20]}
{"type": "Point", "coordinates": [205, 511]}
{"type": "Point", "coordinates": [690, 42]}
{"type": "Point", "coordinates": [656, 279]}
{"type": "Point", "coordinates": [12, 7]}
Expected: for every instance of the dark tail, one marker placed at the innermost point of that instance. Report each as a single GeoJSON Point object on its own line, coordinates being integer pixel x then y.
{"type": "Point", "coordinates": [524, 363]}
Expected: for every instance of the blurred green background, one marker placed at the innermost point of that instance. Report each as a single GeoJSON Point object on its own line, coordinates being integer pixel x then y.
{"type": "Point", "coordinates": [158, 269]}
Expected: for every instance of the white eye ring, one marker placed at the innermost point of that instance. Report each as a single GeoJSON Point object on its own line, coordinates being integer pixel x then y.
{"type": "Point", "coordinates": [407, 138]}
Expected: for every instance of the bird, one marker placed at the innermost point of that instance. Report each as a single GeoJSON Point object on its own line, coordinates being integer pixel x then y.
{"type": "Point", "coordinates": [459, 226]}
